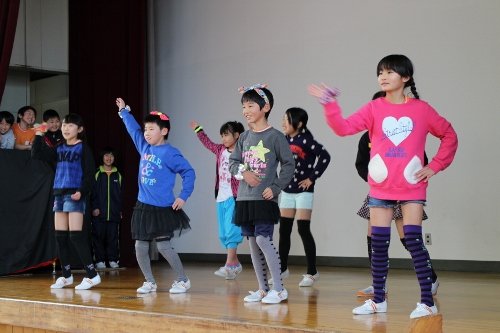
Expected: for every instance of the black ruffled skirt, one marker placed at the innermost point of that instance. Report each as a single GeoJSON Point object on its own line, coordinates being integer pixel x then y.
{"type": "Point", "coordinates": [150, 222]}
{"type": "Point", "coordinates": [256, 212]}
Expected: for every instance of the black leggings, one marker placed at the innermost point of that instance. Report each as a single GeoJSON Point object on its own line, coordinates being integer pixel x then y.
{"type": "Point", "coordinates": [304, 229]}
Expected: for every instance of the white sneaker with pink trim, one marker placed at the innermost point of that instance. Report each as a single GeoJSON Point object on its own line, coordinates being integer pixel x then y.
{"type": "Point", "coordinates": [62, 282]}
{"type": "Point", "coordinates": [370, 307]}
{"type": "Point", "coordinates": [255, 296]}
{"type": "Point", "coordinates": [308, 280]}
{"type": "Point", "coordinates": [423, 310]}
{"type": "Point", "coordinates": [89, 283]}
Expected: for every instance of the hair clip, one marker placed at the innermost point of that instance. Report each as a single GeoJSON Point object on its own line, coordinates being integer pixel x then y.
{"type": "Point", "coordinates": [258, 89]}
{"type": "Point", "coordinates": [243, 89]}
{"type": "Point", "coordinates": [159, 114]}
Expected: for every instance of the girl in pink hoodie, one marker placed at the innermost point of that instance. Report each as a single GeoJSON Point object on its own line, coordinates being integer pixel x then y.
{"type": "Point", "coordinates": [398, 127]}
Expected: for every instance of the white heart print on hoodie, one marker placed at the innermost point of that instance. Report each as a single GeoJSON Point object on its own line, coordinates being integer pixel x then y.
{"type": "Point", "coordinates": [396, 130]}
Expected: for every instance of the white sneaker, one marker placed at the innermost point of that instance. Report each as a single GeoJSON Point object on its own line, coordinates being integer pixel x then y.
{"type": "Point", "coordinates": [100, 265]}
{"type": "Point", "coordinates": [274, 297]}
{"type": "Point", "coordinates": [229, 273]}
{"type": "Point", "coordinates": [114, 264]}
{"type": "Point", "coordinates": [255, 296]}
{"type": "Point", "coordinates": [62, 282]}
{"type": "Point", "coordinates": [222, 272]}
{"type": "Point", "coordinates": [308, 280]}
{"type": "Point", "coordinates": [89, 283]}
{"type": "Point", "coordinates": [423, 310]}
{"type": "Point", "coordinates": [434, 287]}
{"type": "Point", "coordinates": [233, 272]}
{"type": "Point", "coordinates": [147, 287]}
{"type": "Point", "coordinates": [370, 307]}
{"type": "Point", "coordinates": [179, 287]}
{"type": "Point", "coordinates": [284, 275]}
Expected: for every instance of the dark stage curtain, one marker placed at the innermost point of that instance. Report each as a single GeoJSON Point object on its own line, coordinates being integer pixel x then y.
{"type": "Point", "coordinates": [26, 217]}
{"type": "Point", "coordinates": [9, 10]}
{"type": "Point", "coordinates": [107, 59]}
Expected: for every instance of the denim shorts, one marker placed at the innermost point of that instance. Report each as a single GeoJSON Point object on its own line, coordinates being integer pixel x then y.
{"type": "Point", "coordinates": [64, 203]}
{"type": "Point", "coordinates": [266, 230]}
{"type": "Point", "coordinates": [381, 203]}
{"type": "Point", "coordinates": [303, 200]}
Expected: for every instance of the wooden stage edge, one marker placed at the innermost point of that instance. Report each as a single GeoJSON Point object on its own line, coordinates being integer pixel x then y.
{"type": "Point", "coordinates": [28, 305]}
{"type": "Point", "coordinates": [80, 318]}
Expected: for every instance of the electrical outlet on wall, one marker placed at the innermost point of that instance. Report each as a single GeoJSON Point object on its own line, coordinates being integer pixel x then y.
{"type": "Point", "coordinates": [428, 239]}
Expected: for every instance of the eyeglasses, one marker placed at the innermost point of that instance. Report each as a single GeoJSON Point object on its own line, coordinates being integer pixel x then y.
{"type": "Point", "coordinates": [159, 114]}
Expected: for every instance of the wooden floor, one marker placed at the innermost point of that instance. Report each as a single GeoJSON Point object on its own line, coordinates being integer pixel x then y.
{"type": "Point", "coordinates": [468, 302]}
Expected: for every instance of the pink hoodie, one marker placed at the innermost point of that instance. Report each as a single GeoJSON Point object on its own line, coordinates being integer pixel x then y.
{"type": "Point", "coordinates": [397, 133]}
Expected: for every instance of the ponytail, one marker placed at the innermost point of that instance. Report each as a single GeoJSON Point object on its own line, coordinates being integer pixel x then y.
{"type": "Point", "coordinates": [413, 89]}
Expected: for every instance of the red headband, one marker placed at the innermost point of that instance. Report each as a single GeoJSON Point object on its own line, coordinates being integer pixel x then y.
{"type": "Point", "coordinates": [159, 114]}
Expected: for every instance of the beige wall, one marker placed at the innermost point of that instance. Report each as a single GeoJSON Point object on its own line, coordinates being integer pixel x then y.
{"type": "Point", "coordinates": [205, 50]}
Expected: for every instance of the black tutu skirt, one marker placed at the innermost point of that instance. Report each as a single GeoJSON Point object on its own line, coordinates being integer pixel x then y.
{"type": "Point", "coordinates": [256, 211]}
{"type": "Point", "coordinates": [150, 222]}
{"type": "Point", "coordinates": [364, 212]}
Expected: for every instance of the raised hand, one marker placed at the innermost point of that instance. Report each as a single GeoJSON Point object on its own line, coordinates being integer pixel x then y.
{"type": "Point", "coordinates": [193, 125]}
{"type": "Point", "coordinates": [40, 128]}
{"type": "Point", "coordinates": [120, 103]}
{"type": "Point", "coordinates": [323, 93]}
{"type": "Point", "coordinates": [316, 90]}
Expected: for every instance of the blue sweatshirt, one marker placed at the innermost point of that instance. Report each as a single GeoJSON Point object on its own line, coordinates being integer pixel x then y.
{"type": "Point", "coordinates": [158, 168]}
{"type": "Point", "coordinates": [74, 165]}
